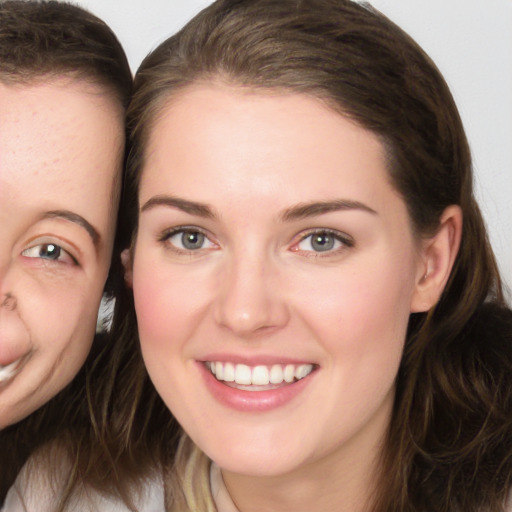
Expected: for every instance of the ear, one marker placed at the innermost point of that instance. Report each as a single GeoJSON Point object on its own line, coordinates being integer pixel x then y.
{"type": "Point", "coordinates": [437, 258]}
{"type": "Point", "coordinates": [126, 260]}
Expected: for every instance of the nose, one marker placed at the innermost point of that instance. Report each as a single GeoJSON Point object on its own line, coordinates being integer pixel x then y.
{"type": "Point", "coordinates": [5, 283]}
{"type": "Point", "coordinates": [249, 301]}
{"type": "Point", "coordinates": [14, 336]}
{"type": "Point", "coordinates": [7, 296]}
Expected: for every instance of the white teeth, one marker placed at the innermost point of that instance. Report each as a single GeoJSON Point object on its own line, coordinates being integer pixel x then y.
{"type": "Point", "coordinates": [276, 374]}
{"type": "Point", "coordinates": [258, 375]}
{"type": "Point", "coordinates": [9, 371]}
{"type": "Point", "coordinates": [229, 372]}
{"type": "Point", "coordinates": [302, 371]}
{"type": "Point", "coordinates": [289, 373]}
{"type": "Point", "coordinates": [242, 374]}
{"type": "Point", "coordinates": [219, 371]}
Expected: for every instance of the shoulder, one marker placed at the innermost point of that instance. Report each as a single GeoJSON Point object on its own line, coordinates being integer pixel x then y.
{"type": "Point", "coordinates": [38, 490]}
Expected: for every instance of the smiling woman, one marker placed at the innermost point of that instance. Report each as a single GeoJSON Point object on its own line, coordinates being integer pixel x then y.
{"type": "Point", "coordinates": [316, 301]}
{"type": "Point", "coordinates": [313, 288]}
{"type": "Point", "coordinates": [279, 269]}
{"type": "Point", "coordinates": [64, 85]}
{"type": "Point", "coordinates": [52, 137]}
{"type": "Point", "coordinates": [305, 268]}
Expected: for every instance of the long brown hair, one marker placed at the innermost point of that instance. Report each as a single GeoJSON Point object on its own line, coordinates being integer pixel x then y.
{"type": "Point", "coordinates": [449, 445]}
{"type": "Point", "coordinates": [41, 41]}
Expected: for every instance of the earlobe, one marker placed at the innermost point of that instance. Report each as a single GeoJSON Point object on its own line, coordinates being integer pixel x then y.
{"type": "Point", "coordinates": [126, 260]}
{"type": "Point", "coordinates": [438, 256]}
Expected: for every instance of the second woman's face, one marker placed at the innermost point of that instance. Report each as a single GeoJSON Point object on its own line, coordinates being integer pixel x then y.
{"type": "Point", "coordinates": [61, 143]}
{"type": "Point", "coordinates": [274, 273]}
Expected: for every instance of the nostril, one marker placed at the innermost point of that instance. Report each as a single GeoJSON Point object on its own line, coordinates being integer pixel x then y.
{"type": "Point", "coordinates": [9, 302]}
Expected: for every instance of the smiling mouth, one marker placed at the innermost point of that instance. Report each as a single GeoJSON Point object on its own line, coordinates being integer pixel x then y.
{"type": "Point", "coordinates": [258, 378]}
{"type": "Point", "coordinates": [9, 371]}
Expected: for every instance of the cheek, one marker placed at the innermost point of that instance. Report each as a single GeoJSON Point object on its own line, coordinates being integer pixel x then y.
{"type": "Point", "coordinates": [162, 321]}
{"type": "Point", "coordinates": [60, 316]}
{"type": "Point", "coordinates": [153, 308]}
{"type": "Point", "coordinates": [60, 324]}
{"type": "Point", "coordinates": [364, 310]}
{"type": "Point", "coordinates": [167, 301]}
{"type": "Point", "coordinates": [55, 318]}
{"type": "Point", "coordinates": [160, 316]}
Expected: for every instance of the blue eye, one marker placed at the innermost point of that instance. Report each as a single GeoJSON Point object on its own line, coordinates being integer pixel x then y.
{"type": "Point", "coordinates": [188, 240]}
{"type": "Point", "coordinates": [323, 241]}
{"type": "Point", "coordinates": [49, 251]}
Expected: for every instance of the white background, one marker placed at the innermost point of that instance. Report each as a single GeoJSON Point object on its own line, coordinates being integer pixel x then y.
{"type": "Point", "coordinates": [470, 41]}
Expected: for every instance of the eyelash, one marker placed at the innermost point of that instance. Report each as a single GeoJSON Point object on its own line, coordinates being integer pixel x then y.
{"type": "Point", "coordinates": [344, 241]}
{"type": "Point", "coordinates": [183, 230]}
{"type": "Point", "coordinates": [58, 247]}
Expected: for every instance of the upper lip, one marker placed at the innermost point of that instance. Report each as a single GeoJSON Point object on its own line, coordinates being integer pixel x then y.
{"type": "Point", "coordinates": [260, 360]}
{"type": "Point", "coordinates": [12, 350]}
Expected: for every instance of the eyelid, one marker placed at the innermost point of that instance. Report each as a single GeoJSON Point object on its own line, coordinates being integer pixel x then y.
{"type": "Point", "coordinates": [167, 233]}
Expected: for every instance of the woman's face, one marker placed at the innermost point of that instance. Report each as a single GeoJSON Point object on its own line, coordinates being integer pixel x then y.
{"type": "Point", "coordinates": [60, 149]}
{"type": "Point", "coordinates": [274, 273]}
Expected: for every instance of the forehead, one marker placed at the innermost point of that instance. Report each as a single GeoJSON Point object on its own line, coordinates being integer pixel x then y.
{"type": "Point", "coordinates": [263, 139]}
{"type": "Point", "coordinates": [60, 144]}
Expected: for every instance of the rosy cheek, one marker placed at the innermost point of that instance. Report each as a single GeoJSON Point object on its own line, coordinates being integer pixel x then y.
{"type": "Point", "coordinates": [146, 306]}
{"type": "Point", "coordinates": [155, 313]}
{"type": "Point", "coordinates": [362, 304]}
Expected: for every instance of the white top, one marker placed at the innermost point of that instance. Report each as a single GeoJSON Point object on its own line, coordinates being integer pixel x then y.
{"type": "Point", "coordinates": [44, 498]}
{"type": "Point", "coordinates": [41, 497]}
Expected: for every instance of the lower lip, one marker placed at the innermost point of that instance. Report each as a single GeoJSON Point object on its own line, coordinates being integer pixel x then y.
{"type": "Point", "coordinates": [253, 401]}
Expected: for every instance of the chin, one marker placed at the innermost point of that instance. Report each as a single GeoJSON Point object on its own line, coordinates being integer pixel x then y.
{"type": "Point", "coordinates": [260, 463]}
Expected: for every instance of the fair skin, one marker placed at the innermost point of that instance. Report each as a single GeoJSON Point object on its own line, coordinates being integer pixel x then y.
{"type": "Point", "coordinates": [61, 142]}
{"type": "Point", "coordinates": [272, 247]}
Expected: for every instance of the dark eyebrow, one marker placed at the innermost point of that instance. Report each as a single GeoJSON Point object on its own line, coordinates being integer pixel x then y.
{"type": "Point", "coordinates": [304, 210]}
{"type": "Point", "coordinates": [77, 219]}
{"type": "Point", "coordinates": [191, 207]}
